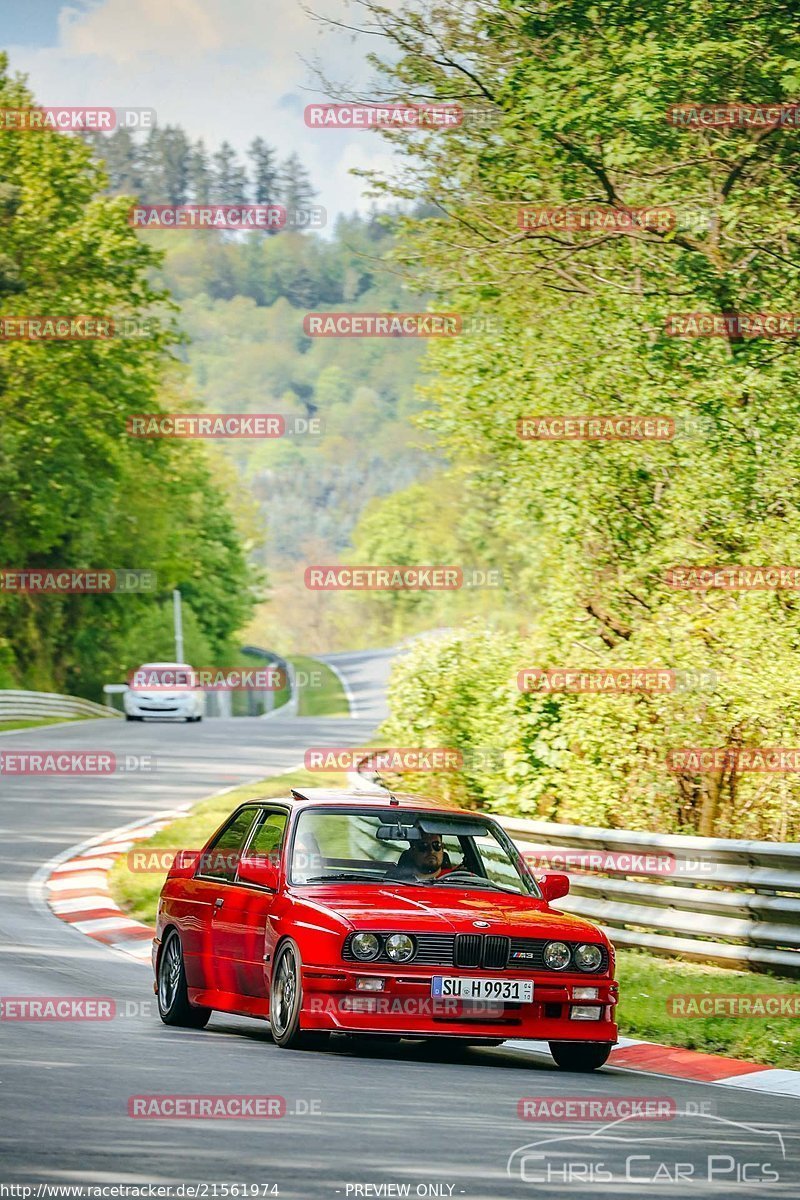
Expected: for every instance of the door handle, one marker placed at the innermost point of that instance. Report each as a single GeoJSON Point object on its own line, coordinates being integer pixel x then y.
{"type": "Point", "coordinates": [218, 903]}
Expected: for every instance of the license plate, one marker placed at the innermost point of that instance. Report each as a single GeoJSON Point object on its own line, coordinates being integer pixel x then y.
{"type": "Point", "coordinates": [519, 991]}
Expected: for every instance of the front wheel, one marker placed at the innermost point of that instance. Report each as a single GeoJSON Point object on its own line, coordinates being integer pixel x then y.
{"type": "Point", "coordinates": [173, 998]}
{"type": "Point", "coordinates": [580, 1056]}
{"type": "Point", "coordinates": [285, 1002]}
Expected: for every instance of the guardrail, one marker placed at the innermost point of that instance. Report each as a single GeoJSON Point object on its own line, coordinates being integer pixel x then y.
{"type": "Point", "coordinates": [731, 902]}
{"type": "Point", "coordinates": [20, 706]}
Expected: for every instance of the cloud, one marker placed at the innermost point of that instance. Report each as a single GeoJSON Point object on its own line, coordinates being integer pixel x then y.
{"type": "Point", "coordinates": [222, 69]}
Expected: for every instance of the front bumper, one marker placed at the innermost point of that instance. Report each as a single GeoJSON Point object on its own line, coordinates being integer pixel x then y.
{"type": "Point", "coordinates": [144, 706]}
{"type": "Point", "coordinates": [331, 1001]}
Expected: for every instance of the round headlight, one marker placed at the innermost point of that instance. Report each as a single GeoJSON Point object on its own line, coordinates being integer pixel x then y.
{"type": "Point", "coordinates": [556, 955]}
{"type": "Point", "coordinates": [365, 946]}
{"type": "Point", "coordinates": [399, 947]}
{"type": "Point", "coordinates": [588, 957]}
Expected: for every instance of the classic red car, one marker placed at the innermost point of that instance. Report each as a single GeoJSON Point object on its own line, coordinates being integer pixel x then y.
{"type": "Point", "coordinates": [332, 912]}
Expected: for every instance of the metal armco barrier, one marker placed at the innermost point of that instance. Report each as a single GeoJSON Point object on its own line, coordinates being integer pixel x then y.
{"type": "Point", "coordinates": [731, 902]}
{"type": "Point", "coordinates": [20, 706]}
{"type": "Point", "coordinates": [736, 903]}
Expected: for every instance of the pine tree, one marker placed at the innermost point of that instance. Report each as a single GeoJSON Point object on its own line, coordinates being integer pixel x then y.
{"type": "Point", "coordinates": [198, 174]}
{"type": "Point", "coordinates": [265, 175]}
{"type": "Point", "coordinates": [121, 156]}
{"type": "Point", "coordinates": [297, 194]}
{"type": "Point", "coordinates": [230, 177]}
{"type": "Point", "coordinates": [174, 148]}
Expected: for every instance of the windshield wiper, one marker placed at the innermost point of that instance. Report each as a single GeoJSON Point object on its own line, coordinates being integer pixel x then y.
{"type": "Point", "coordinates": [478, 881]}
{"type": "Point", "coordinates": [346, 875]}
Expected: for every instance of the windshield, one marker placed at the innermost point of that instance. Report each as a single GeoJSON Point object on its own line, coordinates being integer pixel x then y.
{"type": "Point", "coordinates": [161, 677]}
{"type": "Point", "coordinates": [402, 846]}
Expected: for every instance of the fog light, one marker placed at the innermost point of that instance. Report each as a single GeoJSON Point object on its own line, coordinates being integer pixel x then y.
{"type": "Point", "coordinates": [585, 993]}
{"type": "Point", "coordinates": [583, 1012]}
{"type": "Point", "coordinates": [370, 983]}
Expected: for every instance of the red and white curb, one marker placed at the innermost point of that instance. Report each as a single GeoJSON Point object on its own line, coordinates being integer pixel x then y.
{"type": "Point", "coordinates": [77, 892]}
{"type": "Point", "coordinates": [672, 1062]}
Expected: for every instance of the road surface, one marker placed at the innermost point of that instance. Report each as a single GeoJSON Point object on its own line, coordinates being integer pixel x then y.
{"type": "Point", "coordinates": [361, 1120]}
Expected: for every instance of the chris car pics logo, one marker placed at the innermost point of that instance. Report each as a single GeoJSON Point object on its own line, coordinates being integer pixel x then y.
{"type": "Point", "coordinates": [690, 1152]}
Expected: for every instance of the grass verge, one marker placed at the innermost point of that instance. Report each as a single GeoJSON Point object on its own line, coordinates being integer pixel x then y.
{"type": "Point", "coordinates": [137, 891]}
{"type": "Point", "coordinates": [320, 693]}
{"type": "Point", "coordinates": [646, 981]}
{"type": "Point", "coordinates": [35, 722]}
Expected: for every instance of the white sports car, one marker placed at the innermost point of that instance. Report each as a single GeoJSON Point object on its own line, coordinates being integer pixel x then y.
{"type": "Point", "coordinates": [166, 691]}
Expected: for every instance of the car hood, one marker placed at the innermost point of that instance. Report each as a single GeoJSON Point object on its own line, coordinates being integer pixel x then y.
{"type": "Point", "coordinates": [443, 909]}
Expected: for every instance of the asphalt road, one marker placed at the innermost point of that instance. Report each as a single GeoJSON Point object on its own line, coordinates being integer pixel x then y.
{"type": "Point", "coordinates": [361, 1120]}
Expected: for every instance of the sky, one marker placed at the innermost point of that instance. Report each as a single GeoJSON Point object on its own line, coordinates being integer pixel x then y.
{"type": "Point", "coordinates": [222, 69]}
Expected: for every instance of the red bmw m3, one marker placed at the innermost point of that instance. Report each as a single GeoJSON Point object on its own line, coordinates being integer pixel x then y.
{"type": "Point", "coordinates": [335, 913]}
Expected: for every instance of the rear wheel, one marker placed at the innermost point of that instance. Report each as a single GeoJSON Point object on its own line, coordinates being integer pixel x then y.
{"type": "Point", "coordinates": [286, 1000]}
{"type": "Point", "coordinates": [580, 1056]}
{"type": "Point", "coordinates": [173, 998]}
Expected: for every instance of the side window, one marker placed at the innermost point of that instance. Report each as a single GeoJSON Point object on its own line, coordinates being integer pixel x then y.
{"type": "Point", "coordinates": [221, 859]}
{"type": "Point", "coordinates": [268, 838]}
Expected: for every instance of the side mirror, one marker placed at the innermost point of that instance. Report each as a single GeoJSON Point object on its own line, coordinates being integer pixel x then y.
{"type": "Point", "coordinates": [260, 869]}
{"type": "Point", "coordinates": [553, 885]}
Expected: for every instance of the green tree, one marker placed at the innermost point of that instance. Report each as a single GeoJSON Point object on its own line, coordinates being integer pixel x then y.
{"type": "Point", "coordinates": [75, 490]}
{"type": "Point", "coordinates": [230, 177]}
{"type": "Point", "coordinates": [580, 95]}
{"type": "Point", "coordinates": [264, 173]}
{"type": "Point", "coordinates": [296, 191]}
{"type": "Point", "coordinates": [198, 173]}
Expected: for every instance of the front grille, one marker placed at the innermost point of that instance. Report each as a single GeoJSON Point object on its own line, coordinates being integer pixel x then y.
{"type": "Point", "coordinates": [479, 950]}
{"type": "Point", "coordinates": [433, 949]}
{"type": "Point", "coordinates": [495, 951]}
{"type": "Point", "coordinates": [490, 951]}
{"type": "Point", "coordinates": [527, 954]}
{"type": "Point", "coordinates": [468, 950]}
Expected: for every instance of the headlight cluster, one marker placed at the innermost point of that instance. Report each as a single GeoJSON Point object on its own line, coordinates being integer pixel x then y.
{"type": "Point", "coordinates": [586, 957]}
{"type": "Point", "coordinates": [398, 947]}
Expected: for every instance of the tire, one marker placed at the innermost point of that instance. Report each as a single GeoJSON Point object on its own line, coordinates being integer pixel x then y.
{"type": "Point", "coordinates": [286, 1000]}
{"type": "Point", "coordinates": [580, 1056]}
{"type": "Point", "coordinates": [128, 717]}
{"type": "Point", "coordinates": [173, 999]}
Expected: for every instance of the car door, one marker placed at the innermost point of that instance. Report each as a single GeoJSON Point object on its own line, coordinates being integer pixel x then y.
{"type": "Point", "coordinates": [204, 895]}
{"type": "Point", "coordinates": [240, 922]}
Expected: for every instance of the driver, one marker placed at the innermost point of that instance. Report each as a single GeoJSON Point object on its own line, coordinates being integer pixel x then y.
{"type": "Point", "coordinates": [426, 858]}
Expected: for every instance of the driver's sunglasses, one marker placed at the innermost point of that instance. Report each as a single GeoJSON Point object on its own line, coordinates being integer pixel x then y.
{"type": "Point", "coordinates": [430, 845]}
